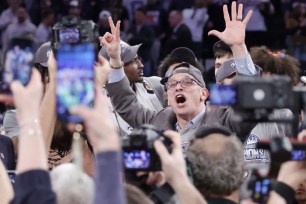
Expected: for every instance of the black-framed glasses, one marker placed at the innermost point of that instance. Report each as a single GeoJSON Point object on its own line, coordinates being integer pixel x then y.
{"type": "Point", "coordinates": [135, 60]}
{"type": "Point", "coordinates": [185, 83]}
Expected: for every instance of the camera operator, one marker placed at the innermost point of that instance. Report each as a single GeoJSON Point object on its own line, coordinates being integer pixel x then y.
{"type": "Point", "coordinates": [187, 111]}
{"type": "Point", "coordinates": [216, 161]}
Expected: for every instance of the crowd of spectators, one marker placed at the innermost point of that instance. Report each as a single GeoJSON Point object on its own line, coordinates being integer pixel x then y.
{"type": "Point", "coordinates": [206, 153]}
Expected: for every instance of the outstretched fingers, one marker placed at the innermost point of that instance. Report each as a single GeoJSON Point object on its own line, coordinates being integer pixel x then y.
{"type": "Point", "coordinates": [248, 17]}
{"type": "Point", "coordinates": [226, 14]}
{"type": "Point", "coordinates": [234, 11]}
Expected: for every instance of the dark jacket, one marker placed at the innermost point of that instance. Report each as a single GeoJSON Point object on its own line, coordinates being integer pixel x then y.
{"type": "Point", "coordinates": [181, 37]}
{"type": "Point", "coordinates": [144, 36]}
{"type": "Point", "coordinates": [125, 103]}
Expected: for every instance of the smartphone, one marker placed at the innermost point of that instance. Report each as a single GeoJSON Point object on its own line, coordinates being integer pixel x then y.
{"type": "Point", "coordinates": [223, 95]}
{"type": "Point", "coordinates": [137, 159]}
{"type": "Point", "coordinates": [18, 62]}
{"type": "Point", "coordinates": [12, 176]}
{"type": "Point", "coordinates": [260, 187]}
{"type": "Point", "coordinates": [75, 78]}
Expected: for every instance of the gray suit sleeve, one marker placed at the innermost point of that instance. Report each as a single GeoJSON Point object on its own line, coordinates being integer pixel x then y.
{"type": "Point", "coordinates": [126, 104]}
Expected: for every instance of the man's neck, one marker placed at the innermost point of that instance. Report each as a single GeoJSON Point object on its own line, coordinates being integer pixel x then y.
{"type": "Point", "coordinates": [183, 120]}
{"type": "Point", "coordinates": [233, 197]}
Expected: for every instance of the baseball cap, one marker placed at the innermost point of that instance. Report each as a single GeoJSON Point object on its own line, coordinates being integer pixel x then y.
{"type": "Point", "coordinates": [225, 70]}
{"type": "Point", "coordinates": [10, 124]}
{"type": "Point", "coordinates": [42, 54]}
{"type": "Point", "coordinates": [184, 67]}
{"type": "Point", "coordinates": [220, 45]}
{"type": "Point", "coordinates": [104, 14]}
{"type": "Point", "coordinates": [183, 54]}
{"type": "Point", "coordinates": [228, 68]}
{"type": "Point", "coordinates": [128, 52]}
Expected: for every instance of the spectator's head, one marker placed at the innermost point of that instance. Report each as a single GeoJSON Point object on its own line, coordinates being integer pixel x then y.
{"type": "Point", "coordinates": [222, 53]}
{"type": "Point", "coordinates": [300, 193]}
{"type": "Point", "coordinates": [216, 161]}
{"type": "Point", "coordinates": [132, 65]}
{"type": "Point", "coordinates": [135, 195]}
{"type": "Point", "coordinates": [276, 63]}
{"type": "Point", "coordinates": [103, 18]}
{"type": "Point", "coordinates": [186, 90]}
{"type": "Point", "coordinates": [21, 14]}
{"type": "Point", "coordinates": [175, 18]}
{"type": "Point", "coordinates": [14, 4]}
{"type": "Point", "coordinates": [178, 55]}
{"type": "Point", "coordinates": [140, 15]}
{"type": "Point", "coordinates": [71, 185]}
{"type": "Point", "coordinates": [48, 17]}
{"type": "Point", "coordinates": [74, 8]}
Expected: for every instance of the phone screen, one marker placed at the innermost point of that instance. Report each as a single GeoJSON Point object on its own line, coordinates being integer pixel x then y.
{"type": "Point", "coordinates": [260, 188]}
{"type": "Point", "coordinates": [75, 78]}
{"type": "Point", "coordinates": [69, 35]}
{"type": "Point", "coordinates": [136, 159]}
{"type": "Point", "coordinates": [223, 95]}
{"type": "Point", "coordinates": [298, 155]}
{"type": "Point", "coordinates": [18, 62]}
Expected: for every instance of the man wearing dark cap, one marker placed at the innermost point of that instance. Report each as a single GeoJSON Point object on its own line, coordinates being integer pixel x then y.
{"type": "Point", "coordinates": [149, 91]}
{"type": "Point", "coordinates": [178, 55]}
{"type": "Point", "coordinates": [186, 89]}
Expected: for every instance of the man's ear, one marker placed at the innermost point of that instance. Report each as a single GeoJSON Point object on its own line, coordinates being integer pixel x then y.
{"type": "Point", "coordinates": [204, 94]}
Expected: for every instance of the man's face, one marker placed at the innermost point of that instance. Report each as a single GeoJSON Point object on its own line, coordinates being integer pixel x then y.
{"type": "Point", "coordinates": [186, 102]}
{"type": "Point", "coordinates": [134, 70]}
{"type": "Point", "coordinates": [300, 193]}
{"type": "Point", "coordinates": [174, 19]}
{"type": "Point", "coordinates": [21, 15]}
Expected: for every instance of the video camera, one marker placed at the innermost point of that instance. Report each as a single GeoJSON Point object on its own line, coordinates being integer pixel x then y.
{"type": "Point", "coordinates": [72, 30]}
{"type": "Point", "coordinates": [254, 98]}
{"type": "Point", "coordinates": [138, 149]}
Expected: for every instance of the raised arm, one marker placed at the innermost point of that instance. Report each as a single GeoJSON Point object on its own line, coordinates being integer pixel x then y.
{"type": "Point", "coordinates": [105, 140]}
{"type": "Point", "coordinates": [123, 97]}
{"type": "Point", "coordinates": [234, 37]}
{"type": "Point", "coordinates": [174, 167]}
{"type": "Point", "coordinates": [47, 113]}
{"type": "Point", "coordinates": [32, 162]}
{"type": "Point", "coordinates": [6, 190]}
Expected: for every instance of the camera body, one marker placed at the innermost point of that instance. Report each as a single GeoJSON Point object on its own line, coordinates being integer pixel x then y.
{"type": "Point", "coordinates": [138, 149]}
{"type": "Point", "coordinates": [254, 98]}
{"type": "Point", "coordinates": [72, 30]}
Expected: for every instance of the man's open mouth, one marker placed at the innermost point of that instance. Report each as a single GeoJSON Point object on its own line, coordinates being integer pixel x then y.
{"type": "Point", "coordinates": [180, 98]}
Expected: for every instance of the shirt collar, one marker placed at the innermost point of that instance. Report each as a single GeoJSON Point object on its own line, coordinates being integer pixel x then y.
{"type": "Point", "coordinates": [193, 121]}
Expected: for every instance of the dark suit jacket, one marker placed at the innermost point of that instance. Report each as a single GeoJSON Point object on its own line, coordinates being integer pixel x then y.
{"type": "Point", "coordinates": [145, 36]}
{"type": "Point", "coordinates": [180, 38]}
{"type": "Point", "coordinates": [126, 104]}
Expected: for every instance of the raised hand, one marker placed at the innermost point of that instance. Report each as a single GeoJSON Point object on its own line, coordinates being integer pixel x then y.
{"type": "Point", "coordinates": [234, 33]}
{"type": "Point", "coordinates": [112, 42]}
{"type": "Point", "coordinates": [28, 98]}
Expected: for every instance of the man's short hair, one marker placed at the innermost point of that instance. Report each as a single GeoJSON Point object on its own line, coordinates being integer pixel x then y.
{"type": "Point", "coordinates": [217, 163]}
{"type": "Point", "coordinates": [221, 49]}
